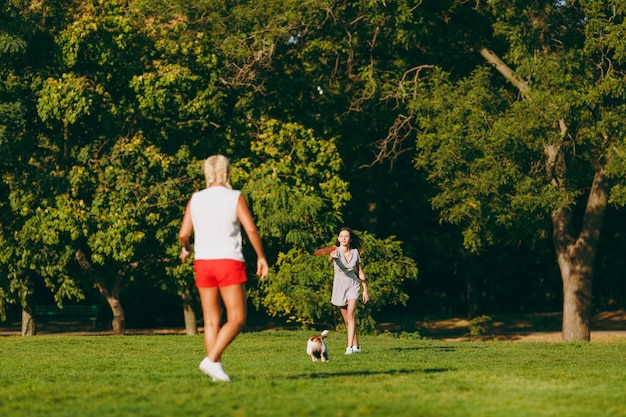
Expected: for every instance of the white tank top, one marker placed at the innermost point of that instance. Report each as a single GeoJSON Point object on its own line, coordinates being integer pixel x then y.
{"type": "Point", "coordinates": [217, 232]}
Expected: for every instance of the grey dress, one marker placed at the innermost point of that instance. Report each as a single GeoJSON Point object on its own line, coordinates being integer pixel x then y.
{"type": "Point", "coordinates": [346, 285]}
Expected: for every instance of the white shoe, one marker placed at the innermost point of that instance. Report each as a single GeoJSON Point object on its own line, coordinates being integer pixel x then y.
{"type": "Point", "coordinates": [356, 349]}
{"type": "Point", "coordinates": [349, 350]}
{"type": "Point", "coordinates": [214, 369]}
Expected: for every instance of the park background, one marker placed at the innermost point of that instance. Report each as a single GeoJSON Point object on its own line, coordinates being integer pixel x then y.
{"type": "Point", "coordinates": [477, 147]}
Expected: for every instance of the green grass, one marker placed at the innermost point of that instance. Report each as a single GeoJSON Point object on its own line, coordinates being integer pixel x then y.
{"type": "Point", "coordinates": [272, 376]}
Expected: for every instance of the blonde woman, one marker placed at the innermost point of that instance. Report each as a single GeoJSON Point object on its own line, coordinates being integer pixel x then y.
{"type": "Point", "coordinates": [216, 216]}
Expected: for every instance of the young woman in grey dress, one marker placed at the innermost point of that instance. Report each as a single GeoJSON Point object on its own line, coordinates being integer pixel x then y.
{"type": "Point", "coordinates": [349, 278]}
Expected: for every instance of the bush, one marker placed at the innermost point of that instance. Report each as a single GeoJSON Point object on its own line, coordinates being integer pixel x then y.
{"type": "Point", "coordinates": [301, 289]}
{"type": "Point", "coordinates": [480, 326]}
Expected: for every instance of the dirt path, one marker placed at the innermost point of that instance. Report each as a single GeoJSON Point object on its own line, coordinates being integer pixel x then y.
{"type": "Point", "coordinates": [605, 327]}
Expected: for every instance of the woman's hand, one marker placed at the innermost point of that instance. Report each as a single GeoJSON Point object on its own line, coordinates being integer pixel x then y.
{"type": "Point", "coordinates": [262, 269]}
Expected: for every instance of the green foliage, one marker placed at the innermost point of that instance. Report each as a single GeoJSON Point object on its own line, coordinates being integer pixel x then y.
{"type": "Point", "coordinates": [10, 45]}
{"type": "Point", "coordinates": [301, 288]}
{"type": "Point", "coordinates": [133, 188]}
{"type": "Point", "coordinates": [484, 145]}
{"type": "Point", "coordinates": [66, 99]}
{"type": "Point", "coordinates": [479, 159]}
{"type": "Point", "coordinates": [95, 166]}
{"type": "Point", "coordinates": [292, 179]}
{"type": "Point", "coordinates": [616, 169]}
{"type": "Point", "coordinates": [386, 270]}
{"type": "Point", "coordinates": [106, 107]}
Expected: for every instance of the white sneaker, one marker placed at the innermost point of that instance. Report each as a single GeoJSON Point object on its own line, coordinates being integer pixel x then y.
{"type": "Point", "coordinates": [356, 349]}
{"type": "Point", "coordinates": [349, 350]}
{"type": "Point", "coordinates": [214, 369]}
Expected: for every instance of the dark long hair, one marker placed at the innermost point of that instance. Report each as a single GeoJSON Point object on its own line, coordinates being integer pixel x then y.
{"type": "Point", "coordinates": [355, 241]}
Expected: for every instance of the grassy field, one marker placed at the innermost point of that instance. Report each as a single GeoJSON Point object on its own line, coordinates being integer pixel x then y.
{"type": "Point", "coordinates": [272, 376]}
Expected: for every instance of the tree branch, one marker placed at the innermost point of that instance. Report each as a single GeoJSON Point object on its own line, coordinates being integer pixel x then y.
{"type": "Point", "coordinates": [392, 146]}
{"type": "Point", "coordinates": [504, 69]}
{"type": "Point", "coordinates": [86, 266]}
{"type": "Point", "coordinates": [556, 170]}
{"type": "Point", "coordinates": [594, 211]}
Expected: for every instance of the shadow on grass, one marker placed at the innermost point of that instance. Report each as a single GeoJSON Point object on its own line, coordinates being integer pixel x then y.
{"type": "Point", "coordinates": [438, 348]}
{"type": "Point", "coordinates": [314, 375]}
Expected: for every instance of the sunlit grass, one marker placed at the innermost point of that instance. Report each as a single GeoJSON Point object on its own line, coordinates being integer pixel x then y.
{"type": "Point", "coordinates": [272, 376]}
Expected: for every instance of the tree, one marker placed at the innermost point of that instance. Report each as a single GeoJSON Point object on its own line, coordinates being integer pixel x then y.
{"type": "Point", "coordinates": [29, 162]}
{"type": "Point", "coordinates": [105, 168]}
{"type": "Point", "coordinates": [152, 77]}
{"type": "Point", "coordinates": [507, 160]}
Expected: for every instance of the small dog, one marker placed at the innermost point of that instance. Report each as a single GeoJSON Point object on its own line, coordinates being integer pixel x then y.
{"type": "Point", "coordinates": [316, 347]}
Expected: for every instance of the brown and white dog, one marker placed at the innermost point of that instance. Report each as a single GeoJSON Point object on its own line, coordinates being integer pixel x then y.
{"type": "Point", "coordinates": [316, 347]}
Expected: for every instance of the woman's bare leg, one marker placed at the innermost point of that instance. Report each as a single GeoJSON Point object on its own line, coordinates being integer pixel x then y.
{"type": "Point", "coordinates": [234, 299]}
{"type": "Point", "coordinates": [211, 313]}
{"type": "Point", "coordinates": [348, 314]}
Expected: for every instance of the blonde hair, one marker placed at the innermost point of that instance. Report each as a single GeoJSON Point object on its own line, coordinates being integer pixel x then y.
{"type": "Point", "coordinates": [217, 169]}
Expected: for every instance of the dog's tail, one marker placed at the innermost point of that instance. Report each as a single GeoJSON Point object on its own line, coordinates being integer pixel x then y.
{"type": "Point", "coordinates": [323, 334]}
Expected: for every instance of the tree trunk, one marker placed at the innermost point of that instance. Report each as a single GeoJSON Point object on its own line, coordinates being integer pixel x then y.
{"type": "Point", "coordinates": [119, 321]}
{"type": "Point", "coordinates": [113, 297]}
{"type": "Point", "coordinates": [191, 326]}
{"type": "Point", "coordinates": [577, 276]}
{"type": "Point", "coordinates": [29, 325]}
{"type": "Point", "coordinates": [28, 322]}
{"type": "Point", "coordinates": [576, 257]}
{"type": "Point", "coordinates": [576, 305]}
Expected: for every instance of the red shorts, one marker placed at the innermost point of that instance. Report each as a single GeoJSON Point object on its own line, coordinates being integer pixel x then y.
{"type": "Point", "coordinates": [219, 272]}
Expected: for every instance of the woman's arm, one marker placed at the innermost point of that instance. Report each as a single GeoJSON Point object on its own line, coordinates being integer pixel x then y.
{"type": "Point", "coordinates": [185, 231]}
{"type": "Point", "coordinates": [366, 296]}
{"type": "Point", "coordinates": [339, 262]}
{"type": "Point", "coordinates": [245, 218]}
